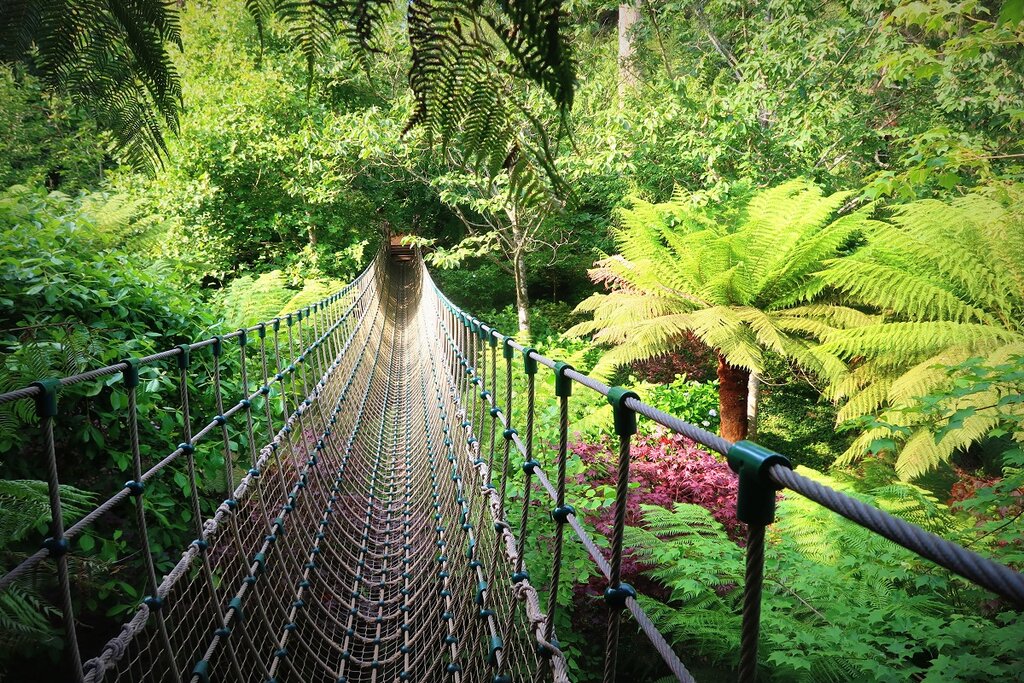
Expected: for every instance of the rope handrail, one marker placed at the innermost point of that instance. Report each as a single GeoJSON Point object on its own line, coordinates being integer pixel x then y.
{"type": "Point", "coordinates": [980, 570]}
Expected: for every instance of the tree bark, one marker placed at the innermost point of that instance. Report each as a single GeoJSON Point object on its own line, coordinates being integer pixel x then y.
{"type": "Point", "coordinates": [732, 400]}
{"type": "Point", "coordinates": [753, 401]}
{"type": "Point", "coordinates": [628, 16]}
{"type": "Point", "coordinates": [522, 295]}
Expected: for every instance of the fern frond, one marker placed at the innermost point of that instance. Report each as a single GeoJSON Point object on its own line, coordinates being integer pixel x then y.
{"type": "Point", "coordinates": [111, 57]}
{"type": "Point", "coordinates": [947, 277]}
{"type": "Point", "coordinates": [25, 620]}
{"type": "Point", "coordinates": [741, 289]}
{"type": "Point", "coordinates": [25, 505]}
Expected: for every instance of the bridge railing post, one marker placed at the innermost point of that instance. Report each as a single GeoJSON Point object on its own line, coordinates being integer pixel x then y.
{"type": "Point", "coordinates": [56, 543]}
{"type": "Point", "coordinates": [616, 593]}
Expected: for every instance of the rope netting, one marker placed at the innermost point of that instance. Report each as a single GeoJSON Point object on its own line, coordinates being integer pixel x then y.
{"type": "Point", "coordinates": [376, 527]}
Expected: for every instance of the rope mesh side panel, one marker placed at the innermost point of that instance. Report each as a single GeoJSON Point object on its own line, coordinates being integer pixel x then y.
{"type": "Point", "coordinates": [359, 542]}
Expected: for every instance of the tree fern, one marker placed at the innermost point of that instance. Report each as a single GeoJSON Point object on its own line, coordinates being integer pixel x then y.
{"type": "Point", "coordinates": [311, 292]}
{"type": "Point", "coordinates": [735, 287]}
{"type": "Point", "coordinates": [111, 57]}
{"type": "Point", "coordinates": [947, 283]}
{"type": "Point", "coordinates": [694, 558]}
{"type": "Point", "coordinates": [25, 616]}
{"type": "Point", "coordinates": [744, 289]}
{"type": "Point", "coordinates": [248, 300]}
{"type": "Point", "coordinates": [464, 58]}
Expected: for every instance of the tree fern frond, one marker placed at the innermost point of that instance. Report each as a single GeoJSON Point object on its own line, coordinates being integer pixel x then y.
{"type": "Point", "coordinates": [912, 341]}
{"type": "Point", "coordinates": [111, 57]}
{"type": "Point", "coordinates": [864, 402]}
{"type": "Point", "coordinates": [885, 286]}
{"type": "Point", "coordinates": [25, 505]}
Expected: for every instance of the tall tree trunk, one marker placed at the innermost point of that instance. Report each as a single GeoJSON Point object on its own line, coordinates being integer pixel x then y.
{"type": "Point", "coordinates": [753, 401]}
{"type": "Point", "coordinates": [522, 295]}
{"type": "Point", "coordinates": [628, 16]}
{"type": "Point", "coordinates": [732, 400]}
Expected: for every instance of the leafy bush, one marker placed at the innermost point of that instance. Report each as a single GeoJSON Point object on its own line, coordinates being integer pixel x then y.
{"type": "Point", "coordinates": [70, 301]}
{"type": "Point", "coordinates": [794, 420]}
{"type": "Point", "coordinates": [689, 400]}
{"type": "Point", "coordinates": [664, 470]}
{"type": "Point", "coordinates": [840, 603]}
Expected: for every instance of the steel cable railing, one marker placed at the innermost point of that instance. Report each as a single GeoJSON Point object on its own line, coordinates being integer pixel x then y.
{"type": "Point", "coordinates": [761, 474]}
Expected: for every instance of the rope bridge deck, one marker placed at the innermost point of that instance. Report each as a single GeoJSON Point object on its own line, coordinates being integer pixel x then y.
{"type": "Point", "coordinates": [369, 538]}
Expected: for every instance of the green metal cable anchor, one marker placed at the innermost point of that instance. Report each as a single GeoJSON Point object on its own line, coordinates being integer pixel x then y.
{"type": "Point", "coordinates": [755, 503]}
{"type": "Point", "coordinates": [563, 384]}
{"type": "Point", "coordinates": [625, 418]}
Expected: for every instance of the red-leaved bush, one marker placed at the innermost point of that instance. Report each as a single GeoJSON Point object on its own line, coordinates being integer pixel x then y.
{"type": "Point", "coordinates": [669, 468]}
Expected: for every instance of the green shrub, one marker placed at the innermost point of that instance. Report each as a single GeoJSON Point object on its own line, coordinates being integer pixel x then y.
{"type": "Point", "coordinates": [70, 301]}
{"type": "Point", "coordinates": [695, 402]}
{"type": "Point", "coordinates": [840, 603]}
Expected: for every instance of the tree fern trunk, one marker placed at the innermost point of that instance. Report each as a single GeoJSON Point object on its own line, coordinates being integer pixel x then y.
{"type": "Point", "coordinates": [732, 400]}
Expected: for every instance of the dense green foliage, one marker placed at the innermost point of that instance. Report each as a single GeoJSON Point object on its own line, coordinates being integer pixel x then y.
{"type": "Point", "coordinates": [840, 603]}
{"type": "Point", "coordinates": [827, 194]}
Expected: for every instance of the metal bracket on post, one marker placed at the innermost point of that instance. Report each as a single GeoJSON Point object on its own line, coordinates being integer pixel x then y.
{"type": "Point", "coordinates": [185, 357]}
{"type": "Point", "coordinates": [563, 384]}
{"type": "Point", "coordinates": [529, 364]}
{"type": "Point", "coordinates": [131, 373]}
{"type": "Point", "coordinates": [507, 350]}
{"type": "Point", "coordinates": [755, 503]}
{"type": "Point", "coordinates": [625, 417]}
{"type": "Point", "coordinates": [46, 401]}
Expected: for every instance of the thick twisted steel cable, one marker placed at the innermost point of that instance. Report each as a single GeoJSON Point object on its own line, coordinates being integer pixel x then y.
{"type": "Point", "coordinates": [980, 570]}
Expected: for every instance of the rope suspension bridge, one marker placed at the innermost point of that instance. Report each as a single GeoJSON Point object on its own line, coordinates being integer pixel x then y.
{"type": "Point", "coordinates": [379, 528]}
